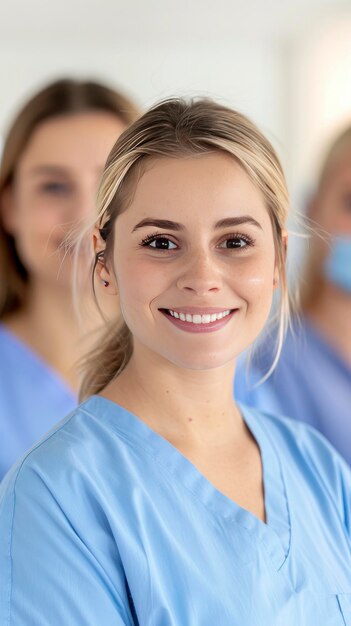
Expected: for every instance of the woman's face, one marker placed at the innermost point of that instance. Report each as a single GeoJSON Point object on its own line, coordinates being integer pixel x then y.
{"type": "Point", "coordinates": [55, 183]}
{"type": "Point", "coordinates": [194, 261]}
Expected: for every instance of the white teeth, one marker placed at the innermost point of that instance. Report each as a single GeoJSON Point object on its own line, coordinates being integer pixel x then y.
{"type": "Point", "coordinates": [199, 319]}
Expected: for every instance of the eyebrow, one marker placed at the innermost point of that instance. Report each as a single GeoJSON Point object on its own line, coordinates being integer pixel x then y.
{"type": "Point", "coordinates": [49, 169]}
{"type": "Point", "coordinates": [58, 170]}
{"type": "Point", "coordinates": [170, 225]}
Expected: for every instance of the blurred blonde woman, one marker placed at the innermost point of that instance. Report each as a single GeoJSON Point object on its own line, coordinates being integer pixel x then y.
{"type": "Point", "coordinates": [161, 501]}
{"type": "Point", "coordinates": [312, 381]}
{"type": "Point", "coordinates": [53, 156]}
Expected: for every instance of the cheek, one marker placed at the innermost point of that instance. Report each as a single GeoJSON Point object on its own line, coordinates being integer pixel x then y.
{"type": "Point", "coordinates": [38, 222]}
{"type": "Point", "coordinates": [257, 292]}
{"type": "Point", "coordinates": [254, 278]}
{"type": "Point", "coordinates": [139, 283]}
{"type": "Point", "coordinates": [38, 238]}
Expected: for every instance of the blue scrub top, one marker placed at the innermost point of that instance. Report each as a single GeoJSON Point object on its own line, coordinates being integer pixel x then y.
{"type": "Point", "coordinates": [311, 382]}
{"type": "Point", "coordinates": [32, 398]}
{"type": "Point", "coordinates": [106, 523]}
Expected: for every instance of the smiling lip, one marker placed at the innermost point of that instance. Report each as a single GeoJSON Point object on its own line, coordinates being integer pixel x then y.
{"type": "Point", "coordinates": [199, 320]}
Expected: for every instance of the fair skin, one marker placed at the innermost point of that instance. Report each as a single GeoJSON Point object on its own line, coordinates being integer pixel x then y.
{"type": "Point", "coordinates": [179, 380]}
{"type": "Point", "coordinates": [330, 310]}
{"type": "Point", "coordinates": [55, 184]}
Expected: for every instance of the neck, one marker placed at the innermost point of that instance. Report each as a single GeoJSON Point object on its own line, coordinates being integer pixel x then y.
{"type": "Point", "coordinates": [48, 325]}
{"type": "Point", "coordinates": [330, 313]}
{"type": "Point", "coordinates": [186, 407]}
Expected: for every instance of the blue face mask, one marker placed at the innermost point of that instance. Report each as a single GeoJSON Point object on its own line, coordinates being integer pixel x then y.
{"type": "Point", "coordinates": [338, 264]}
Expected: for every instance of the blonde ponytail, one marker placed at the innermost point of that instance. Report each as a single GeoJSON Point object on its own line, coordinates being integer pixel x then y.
{"type": "Point", "coordinates": [107, 360]}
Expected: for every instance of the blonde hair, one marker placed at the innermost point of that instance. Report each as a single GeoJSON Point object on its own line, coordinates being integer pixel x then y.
{"type": "Point", "coordinates": [311, 276]}
{"type": "Point", "coordinates": [63, 97]}
{"type": "Point", "coordinates": [177, 128]}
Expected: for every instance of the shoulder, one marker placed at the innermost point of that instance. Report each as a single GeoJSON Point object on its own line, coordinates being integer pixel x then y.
{"type": "Point", "coordinates": [300, 342]}
{"type": "Point", "coordinates": [77, 445]}
{"type": "Point", "coordinates": [287, 389]}
{"type": "Point", "coordinates": [54, 515]}
{"type": "Point", "coordinates": [299, 438]}
{"type": "Point", "coordinates": [308, 453]}
{"type": "Point", "coordinates": [10, 345]}
{"type": "Point", "coordinates": [63, 480]}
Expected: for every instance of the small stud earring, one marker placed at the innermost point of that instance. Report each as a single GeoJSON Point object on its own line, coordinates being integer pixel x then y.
{"type": "Point", "coordinates": [105, 283]}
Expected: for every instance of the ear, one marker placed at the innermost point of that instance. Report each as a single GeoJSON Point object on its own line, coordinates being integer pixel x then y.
{"type": "Point", "coordinates": [104, 276]}
{"type": "Point", "coordinates": [285, 238]}
{"type": "Point", "coordinates": [8, 211]}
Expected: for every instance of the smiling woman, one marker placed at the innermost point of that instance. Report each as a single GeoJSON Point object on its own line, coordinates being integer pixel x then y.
{"type": "Point", "coordinates": [161, 501]}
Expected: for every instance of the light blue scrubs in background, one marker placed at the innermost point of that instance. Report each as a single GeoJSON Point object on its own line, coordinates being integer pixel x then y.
{"type": "Point", "coordinates": [311, 383]}
{"type": "Point", "coordinates": [32, 398]}
{"type": "Point", "coordinates": [105, 523]}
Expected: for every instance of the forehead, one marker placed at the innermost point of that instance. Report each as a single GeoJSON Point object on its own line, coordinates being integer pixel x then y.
{"type": "Point", "coordinates": [209, 186]}
{"type": "Point", "coordinates": [72, 139]}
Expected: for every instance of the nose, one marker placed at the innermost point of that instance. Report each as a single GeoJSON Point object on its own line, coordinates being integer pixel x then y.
{"type": "Point", "coordinates": [200, 274]}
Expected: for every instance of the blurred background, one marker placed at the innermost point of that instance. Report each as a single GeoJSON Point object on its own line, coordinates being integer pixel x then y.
{"type": "Point", "coordinates": [287, 64]}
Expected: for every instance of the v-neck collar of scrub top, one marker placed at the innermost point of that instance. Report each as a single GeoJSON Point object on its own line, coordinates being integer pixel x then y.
{"type": "Point", "coordinates": [274, 535]}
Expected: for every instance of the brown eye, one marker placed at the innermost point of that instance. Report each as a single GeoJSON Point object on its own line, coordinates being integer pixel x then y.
{"type": "Point", "coordinates": [162, 244]}
{"type": "Point", "coordinates": [158, 243]}
{"type": "Point", "coordinates": [236, 242]}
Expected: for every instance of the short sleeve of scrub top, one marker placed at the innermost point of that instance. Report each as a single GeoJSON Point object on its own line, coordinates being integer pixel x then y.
{"type": "Point", "coordinates": [105, 522]}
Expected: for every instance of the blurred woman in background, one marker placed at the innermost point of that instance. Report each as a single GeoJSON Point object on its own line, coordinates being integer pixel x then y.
{"type": "Point", "coordinates": [53, 156]}
{"type": "Point", "coordinates": [312, 381]}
